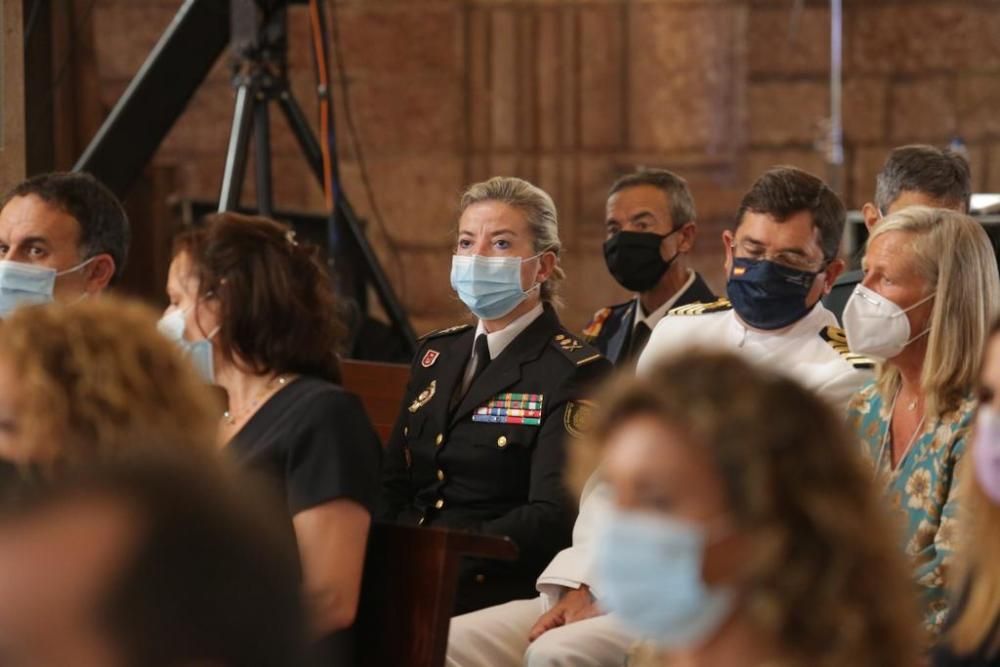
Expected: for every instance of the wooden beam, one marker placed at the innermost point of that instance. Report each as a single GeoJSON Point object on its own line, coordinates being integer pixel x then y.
{"type": "Point", "coordinates": [12, 154]}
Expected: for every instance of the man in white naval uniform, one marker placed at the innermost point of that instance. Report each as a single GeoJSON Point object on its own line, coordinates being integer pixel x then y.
{"type": "Point", "coordinates": [790, 220]}
{"type": "Point", "coordinates": [781, 260]}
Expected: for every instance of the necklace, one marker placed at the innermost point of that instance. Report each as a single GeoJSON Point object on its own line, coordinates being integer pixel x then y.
{"type": "Point", "coordinates": [271, 387]}
{"type": "Point", "coordinates": [888, 432]}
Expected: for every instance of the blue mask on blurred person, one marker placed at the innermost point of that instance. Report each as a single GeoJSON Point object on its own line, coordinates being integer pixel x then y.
{"type": "Point", "coordinates": [767, 295]}
{"type": "Point", "coordinates": [649, 576]}
{"type": "Point", "coordinates": [172, 326]}
{"type": "Point", "coordinates": [27, 284]}
{"type": "Point", "coordinates": [490, 287]}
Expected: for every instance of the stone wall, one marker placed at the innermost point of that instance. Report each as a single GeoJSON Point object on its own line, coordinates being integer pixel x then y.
{"type": "Point", "coordinates": [572, 93]}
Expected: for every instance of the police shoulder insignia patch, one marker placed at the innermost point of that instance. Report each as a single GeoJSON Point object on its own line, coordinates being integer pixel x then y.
{"type": "Point", "coordinates": [837, 339]}
{"type": "Point", "coordinates": [593, 328]}
{"type": "Point", "coordinates": [575, 349]}
{"type": "Point", "coordinates": [578, 417]}
{"type": "Point", "coordinates": [446, 332]}
{"type": "Point", "coordinates": [701, 308]}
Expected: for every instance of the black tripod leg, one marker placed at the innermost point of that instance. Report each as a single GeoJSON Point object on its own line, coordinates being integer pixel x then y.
{"type": "Point", "coordinates": [303, 134]}
{"type": "Point", "coordinates": [236, 153]}
{"type": "Point", "coordinates": [262, 159]}
{"type": "Point", "coordinates": [345, 218]}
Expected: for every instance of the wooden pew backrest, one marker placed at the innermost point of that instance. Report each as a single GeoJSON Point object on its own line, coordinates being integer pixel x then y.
{"type": "Point", "coordinates": [408, 591]}
{"type": "Point", "coordinates": [380, 387]}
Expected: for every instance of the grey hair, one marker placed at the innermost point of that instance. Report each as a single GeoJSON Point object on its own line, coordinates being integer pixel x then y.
{"type": "Point", "coordinates": [678, 193]}
{"type": "Point", "coordinates": [539, 210]}
{"type": "Point", "coordinates": [941, 174]}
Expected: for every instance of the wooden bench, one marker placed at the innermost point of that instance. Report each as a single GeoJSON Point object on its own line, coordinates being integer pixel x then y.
{"type": "Point", "coordinates": [408, 591]}
{"type": "Point", "coordinates": [380, 387]}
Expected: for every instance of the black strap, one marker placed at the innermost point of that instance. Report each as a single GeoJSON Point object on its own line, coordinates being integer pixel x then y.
{"type": "Point", "coordinates": [640, 336]}
{"type": "Point", "coordinates": [482, 356]}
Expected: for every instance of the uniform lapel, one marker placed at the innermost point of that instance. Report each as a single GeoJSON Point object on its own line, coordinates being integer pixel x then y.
{"type": "Point", "coordinates": [505, 370]}
{"type": "Point", "coordinates": [448, 373]}
{"type": "Point", "coordinates": [618, 343]}
{"type": "Point", "coordinates": [697, 292]}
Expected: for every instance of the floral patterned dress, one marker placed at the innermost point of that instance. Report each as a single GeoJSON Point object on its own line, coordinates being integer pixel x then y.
{"type": "Point", "coordinates": [922, 488]}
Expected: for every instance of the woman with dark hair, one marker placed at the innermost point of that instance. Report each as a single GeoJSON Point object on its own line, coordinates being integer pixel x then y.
{"type": "Point", "coordinates": [739, 539]}
{"type": "Point", "coordinates": [256, 312]}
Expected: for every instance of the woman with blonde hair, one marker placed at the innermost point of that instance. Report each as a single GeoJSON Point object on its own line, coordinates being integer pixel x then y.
{"type": "Point", "coordinates": [923, 310]}
{"type": "Point", "coordinates": [973, 638]}
{"type": "Point", "coordinates": [95, 379]}
{"type": "Point", "coordinates": [744, 528]}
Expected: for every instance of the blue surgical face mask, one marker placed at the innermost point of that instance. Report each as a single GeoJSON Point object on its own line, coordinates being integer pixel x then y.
{"type": "Point", "coordinates": [767, 295]}
{"type": "Point", "coordinates": [490, 287]}
{"type": "Point", "coordinates": [24, 284]}
{"type": "Point", "coordinates": [649, 576]}
{"type": "Point", "coordinates": [200, 352]}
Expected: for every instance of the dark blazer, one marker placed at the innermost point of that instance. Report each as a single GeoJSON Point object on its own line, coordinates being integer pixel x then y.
{"type": "Point", "coordinates": [610, 330]}
{"type": "Point", "coordinates": [443, 468]}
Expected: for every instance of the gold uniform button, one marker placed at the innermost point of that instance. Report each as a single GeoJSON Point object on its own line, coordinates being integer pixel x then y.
{"type": "Point", "coordinates": [502, 441]}
{"type": "Point", "coordinates": [440, 475]}
{"type": "Point", "coordinates": [439, 504]}
{"type": "Point", "coordinates": [480, 578]}
{"type": "Point", "coordinates": [439, 440]}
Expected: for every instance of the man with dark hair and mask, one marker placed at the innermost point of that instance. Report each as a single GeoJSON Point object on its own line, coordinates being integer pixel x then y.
{"type": "Point", "coordinates": [650, 227]}
{"type": "Point", "coordinates": [781, 259]}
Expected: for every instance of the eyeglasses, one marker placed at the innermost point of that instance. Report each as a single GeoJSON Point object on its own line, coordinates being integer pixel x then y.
{"type": "Point", "coordinates": [786, 259]}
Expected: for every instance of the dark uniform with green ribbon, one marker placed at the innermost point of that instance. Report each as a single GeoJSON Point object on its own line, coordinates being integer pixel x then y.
{"type": "Point", "coordinates": [492, 460]}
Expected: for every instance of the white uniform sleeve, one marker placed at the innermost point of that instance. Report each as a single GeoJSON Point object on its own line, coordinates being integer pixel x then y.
{"type": "Point", "coordinates": [839, 390]}
{"type": "Point", "coordinates": [573, 567]}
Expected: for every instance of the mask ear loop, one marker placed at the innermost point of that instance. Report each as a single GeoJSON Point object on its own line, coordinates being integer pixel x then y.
{"type": "Point", "coordinates": [537, 285]}
{"type": "Point", "coordinates": [926, 331]}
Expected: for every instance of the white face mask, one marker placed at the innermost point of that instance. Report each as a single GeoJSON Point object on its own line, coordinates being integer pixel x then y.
{"type": "Point", "coordinates": [876, 327]}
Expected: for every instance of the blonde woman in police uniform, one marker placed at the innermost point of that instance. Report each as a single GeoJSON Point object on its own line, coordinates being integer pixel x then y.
{"type": "Point", "coordinates": [479, 443]}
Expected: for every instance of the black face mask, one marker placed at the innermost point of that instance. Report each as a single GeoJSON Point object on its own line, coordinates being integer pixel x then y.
{"type": "Point", "coordinates": [634, 259]}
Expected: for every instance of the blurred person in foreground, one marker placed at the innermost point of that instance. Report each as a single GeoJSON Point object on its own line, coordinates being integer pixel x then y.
{"type": "Point", "coordinates": [923, 310]}
{"type": "Point", "coordinates": [735, 538]}
{"type": "Point", "coordinates": [95, 380]}
{"type": "Point", "coordinates": [147, 561]}
{"type": "Point", "coordinates": [972, 638]}
{"type": "Point", "coordinates": [256, 312]}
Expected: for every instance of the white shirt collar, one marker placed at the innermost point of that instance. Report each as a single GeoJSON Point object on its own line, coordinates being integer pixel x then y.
{"type": "Point", "coordinates": [499, 340]}
{"type": "Point", "coordinates": [654, 317]}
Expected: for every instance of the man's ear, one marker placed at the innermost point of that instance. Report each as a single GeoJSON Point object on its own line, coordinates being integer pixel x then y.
{"type": "Point", "coordinates": [871, 215]}
{"type": "Point", "coordinates": [686, 236]}
{"type": "Point", "coordinates": [100, 271]}
{"type": "Point", "coordinates": [833, 271]}
{"type": "Point", "coordinates": [728, 239]}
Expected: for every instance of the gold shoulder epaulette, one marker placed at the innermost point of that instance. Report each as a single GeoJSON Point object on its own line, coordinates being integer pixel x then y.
{"type": "Point", "coordinates": [575, 349]}
{"type": "Point", "coordinates": [837, 339]}
{"type": "Point", "coordinates": [446, 332]}
{"type": "Point", "coordinates": [700, 308]}
{"type": "Point", "coordinates": [593, 328]}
